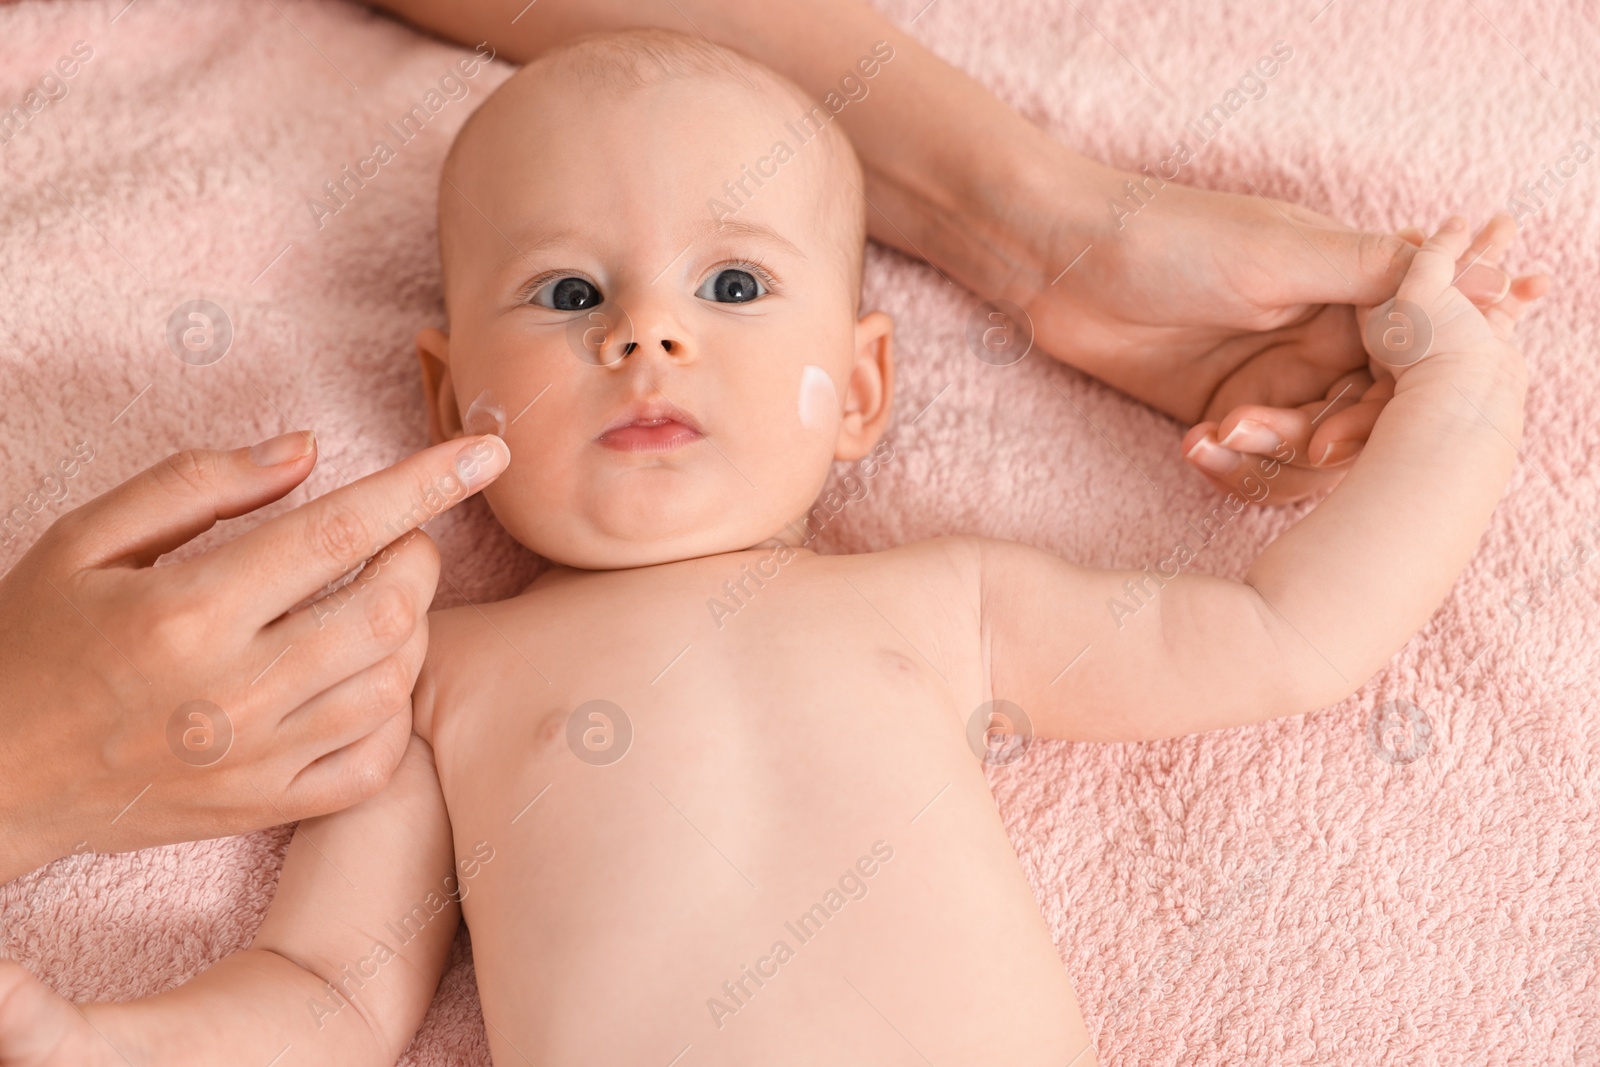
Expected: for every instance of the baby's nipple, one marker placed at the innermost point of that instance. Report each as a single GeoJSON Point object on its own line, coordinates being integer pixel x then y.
{"type": "Point", "coordinates": [485, 415]}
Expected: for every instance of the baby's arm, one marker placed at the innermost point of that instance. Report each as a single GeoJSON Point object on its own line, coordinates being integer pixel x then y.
{"type": "Point", "coordinates": [1325, 605]}
{"type": "Point", "coordinates": [340, 972]}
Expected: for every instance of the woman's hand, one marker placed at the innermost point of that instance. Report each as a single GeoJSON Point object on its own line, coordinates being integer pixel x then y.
{"type": "Point", "coordinates": [1323, 435]}
{"type": "Point", "coordinates": [1221, 309]}
{"type": "Point", "coordinates": [146, 705]}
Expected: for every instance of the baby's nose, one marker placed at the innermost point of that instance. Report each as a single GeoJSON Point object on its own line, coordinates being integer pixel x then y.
{"type": "Point", "coordinates": [608, 336]}
{"type": "Point", "coordinates": [667, 346]}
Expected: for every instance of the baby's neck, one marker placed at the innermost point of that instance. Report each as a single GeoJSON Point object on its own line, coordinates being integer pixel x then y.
{"type": "Point", "coordinates": [558, 574]}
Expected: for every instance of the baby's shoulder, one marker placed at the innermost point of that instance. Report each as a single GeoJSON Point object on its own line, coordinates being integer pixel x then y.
{"type": "Point", "coordinates": [939, 575]}
{"type": "Point", "coordinates": [466, 646]}
{"type": "Point", "coordinates": [945, 558]}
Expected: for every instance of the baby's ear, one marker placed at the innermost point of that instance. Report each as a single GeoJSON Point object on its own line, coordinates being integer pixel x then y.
{"type": "Point", "coordinates": [870, 388]}
{"type": "Point", "coordinates": [438, 390]}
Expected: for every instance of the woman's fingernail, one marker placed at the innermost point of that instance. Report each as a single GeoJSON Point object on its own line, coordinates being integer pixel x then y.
{"type": "Point", "coordinates": [283, 448]}
{"type": "Point", "coordinates": [480, 462]}
{"type": "Point", "coordinates": [1251, 436]}
{"type": "Point", "coordinates": [1213, 457]}
{"type": "Point", "coordinates": [1335, 452]}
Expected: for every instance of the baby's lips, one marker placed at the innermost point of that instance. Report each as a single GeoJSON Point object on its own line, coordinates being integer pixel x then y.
{"type": "Point", "coordinates": [1483, 284]}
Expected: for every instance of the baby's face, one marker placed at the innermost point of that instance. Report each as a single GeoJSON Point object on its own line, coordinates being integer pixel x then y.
{"type": "Point", "coordinates": [672, 386]}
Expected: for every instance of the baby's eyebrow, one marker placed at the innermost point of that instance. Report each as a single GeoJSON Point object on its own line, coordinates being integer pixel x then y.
{"type": "Point", "coordinates": [755, 230]}
{"type": "Point", "coordinates": [531, 243]}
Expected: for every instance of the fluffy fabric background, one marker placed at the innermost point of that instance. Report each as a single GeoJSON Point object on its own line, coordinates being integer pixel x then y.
{"type": "Point", "coordinates": [1335, 888]}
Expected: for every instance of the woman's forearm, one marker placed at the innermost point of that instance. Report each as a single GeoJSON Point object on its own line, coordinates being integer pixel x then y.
{"type": "Point", "coordinates": [948, 165]}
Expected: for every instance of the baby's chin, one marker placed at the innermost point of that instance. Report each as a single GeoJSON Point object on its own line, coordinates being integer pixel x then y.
{"type": "Point", "coordinates": [573, 542]}
{"type": "Point", "coordinates": [650, 517]}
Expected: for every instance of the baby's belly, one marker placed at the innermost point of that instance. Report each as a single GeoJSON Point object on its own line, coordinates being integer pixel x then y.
{"type": "Point", "coordinates": [813, 881]}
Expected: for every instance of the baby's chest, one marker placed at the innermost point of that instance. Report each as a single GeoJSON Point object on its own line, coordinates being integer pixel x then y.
{"type": "Point", "coordinates": [596, 693]}
{"type": "Point", "coordinates": [687, 654]}
{"type": "Point", "coordinates": [805, 699]}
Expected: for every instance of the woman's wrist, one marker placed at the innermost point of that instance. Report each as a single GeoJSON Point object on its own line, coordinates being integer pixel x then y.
{"type": "Point", "coordinates": [1003, 221]}
{"type": "Point", "coordinates": [29, 842]}
{"type": "Point", "coordinates": [28, 839]}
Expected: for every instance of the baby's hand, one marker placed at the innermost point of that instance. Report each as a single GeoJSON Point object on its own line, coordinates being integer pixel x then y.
{"type": "Point", "coordinates": [38, 1028]}
{"type": "Point", "coordinates": [1429, 322]}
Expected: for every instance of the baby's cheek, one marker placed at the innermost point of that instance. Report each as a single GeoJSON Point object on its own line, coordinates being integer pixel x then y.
{"type": "Point", "coordinates": [529, 493]}
{"type": "Point", "coordinates": [486, 414]}
{"type": "Point", "coordinates": [818, 407]}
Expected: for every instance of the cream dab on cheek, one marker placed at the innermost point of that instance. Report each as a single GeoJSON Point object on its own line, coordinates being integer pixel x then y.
{"type": "Point", "coordinates": [485, 415]}
{"type": "Point", "coordinates": [819, 401]}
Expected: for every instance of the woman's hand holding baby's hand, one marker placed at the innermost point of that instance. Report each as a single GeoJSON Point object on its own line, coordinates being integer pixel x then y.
{"type": "Point", "coordinates": [1319, 440]}
{"type": "Point", "coordinates": [1215, 308]}
{"type": "Point", "coordinates": [152, 704]}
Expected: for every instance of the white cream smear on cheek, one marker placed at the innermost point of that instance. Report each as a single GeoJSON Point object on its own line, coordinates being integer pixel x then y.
{"type": "Point", "coordinates": [485, 415]}
{"type": "Point", "coordinates": [819, 401]}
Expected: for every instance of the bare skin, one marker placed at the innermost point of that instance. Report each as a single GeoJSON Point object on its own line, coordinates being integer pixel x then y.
{"type": "Point", "coordinates": [787, 734]}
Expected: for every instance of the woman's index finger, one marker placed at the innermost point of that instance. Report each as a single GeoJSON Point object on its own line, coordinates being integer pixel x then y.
{"type": "Point", "coordinates": [294, 555]}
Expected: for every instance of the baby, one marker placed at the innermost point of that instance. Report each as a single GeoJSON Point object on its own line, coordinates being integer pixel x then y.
{"type": "Point", "coordinates": [703, 795]}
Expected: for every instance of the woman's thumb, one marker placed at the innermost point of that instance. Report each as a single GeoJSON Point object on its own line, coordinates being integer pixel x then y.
{"type": "Point", "coordinates": [179, 498]}
{"type": "Point", "coordinates": [1342, 266]}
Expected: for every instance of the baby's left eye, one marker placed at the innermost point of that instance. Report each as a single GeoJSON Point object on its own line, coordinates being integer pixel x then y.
{"type": "Point", "coordinates": [731, 286]}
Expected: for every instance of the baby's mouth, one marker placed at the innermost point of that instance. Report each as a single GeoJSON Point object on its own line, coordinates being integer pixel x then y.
{"type": "Point", "coordinates": [650, 435]}
{"type": "Point", "coordinates": [654, 426]}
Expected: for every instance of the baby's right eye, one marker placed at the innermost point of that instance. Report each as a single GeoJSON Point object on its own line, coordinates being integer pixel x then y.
{"type": "Point", "coordinates": [567, 294]}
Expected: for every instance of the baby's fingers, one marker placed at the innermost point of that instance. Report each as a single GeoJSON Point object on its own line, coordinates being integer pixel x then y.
{"type": "Point", "coordinates": [1433, 268]}
{"type": "Point", "coordinates": [1286, 434]}
{"type": "Point", "coordinates": [1478, 273]}
{"type": "Point", "coordinates": [1525, 289]}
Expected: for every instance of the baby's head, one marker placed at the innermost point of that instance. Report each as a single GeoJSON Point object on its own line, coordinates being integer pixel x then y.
{"type": "Point", "coordinates": [652, 255]}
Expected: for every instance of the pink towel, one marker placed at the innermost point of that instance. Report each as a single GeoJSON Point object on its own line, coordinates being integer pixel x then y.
{"type": "Point", "coordinates": [1408, 877]}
